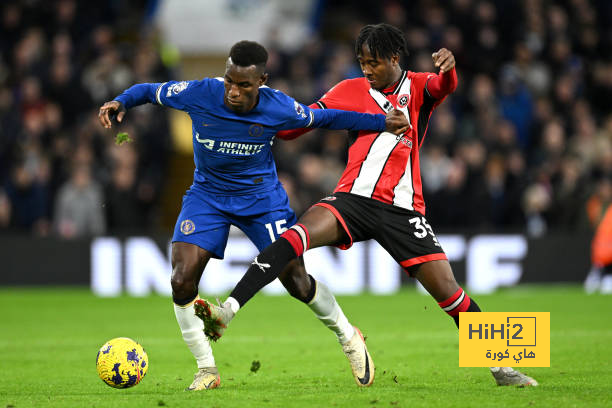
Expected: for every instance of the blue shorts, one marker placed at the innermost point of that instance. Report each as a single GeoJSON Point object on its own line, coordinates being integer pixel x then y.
{"type": "Point", "coordinates": [205, 218]}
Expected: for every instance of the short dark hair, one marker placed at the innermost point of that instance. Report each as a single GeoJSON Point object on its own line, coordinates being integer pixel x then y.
{"type": "Point", "coordinates": [247, 53]}
{"type": "Point", "coordinates": [383, 40]}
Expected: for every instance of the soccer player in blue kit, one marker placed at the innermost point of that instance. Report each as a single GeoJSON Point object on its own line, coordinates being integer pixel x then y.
{"type": "Point", "coordinates": [234, 120]}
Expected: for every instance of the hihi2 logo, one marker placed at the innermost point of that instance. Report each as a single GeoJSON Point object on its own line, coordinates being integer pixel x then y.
{"type": "Point", "coordinates": [488, 339]}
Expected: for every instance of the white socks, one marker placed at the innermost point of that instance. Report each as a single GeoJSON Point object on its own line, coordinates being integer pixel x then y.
{"type": "Point", "coordinates": [192, 329]}
{"type": "Point", "coordinates": [233, 303]}
{"type": "Point", "coordinates": [327, 310]}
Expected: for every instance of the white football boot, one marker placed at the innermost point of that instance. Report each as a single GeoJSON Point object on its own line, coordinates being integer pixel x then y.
{"type": "Point", "coordinates": [205, 379]}
{"type": "Point", "coordinates": [509, 376]}
{"type": "Point", "coordinates": [361, 363]}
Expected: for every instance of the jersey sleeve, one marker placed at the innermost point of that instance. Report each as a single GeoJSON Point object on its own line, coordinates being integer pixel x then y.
{"type": "Point", "coordinates": [441, 85]}
{"type": "Point", "coordinates": [295, 133]}
{"type": "Point", "coordinates": [434, 87]}
{"type": "Point", "coordinates": [138, 94]}
{"type": "Point", "coordinates": [305, 117]}
{"type": "Point", "coordinates": [338, 97]}
{"type": "Point", "coordinates": [177, 95]}
{"type": "Point", "coordinates": [174, 94]}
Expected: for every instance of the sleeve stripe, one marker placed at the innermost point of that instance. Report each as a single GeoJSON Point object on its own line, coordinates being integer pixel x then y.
{"type": "Point", "coordinates": [311, 119]}
{"type": "Point", "coordinates": [321, 105]}
{"type": "Point", "coordinates": [158, 92]}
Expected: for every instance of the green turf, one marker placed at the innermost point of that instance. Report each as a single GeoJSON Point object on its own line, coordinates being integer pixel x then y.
{"type": "Point", "coordinates": [49, 339]}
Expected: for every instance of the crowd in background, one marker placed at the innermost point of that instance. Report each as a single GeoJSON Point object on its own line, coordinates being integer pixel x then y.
{"type": "Point", "coordinates": [524, 144]}
{"type": "Point", "coordinates": [60, 172]}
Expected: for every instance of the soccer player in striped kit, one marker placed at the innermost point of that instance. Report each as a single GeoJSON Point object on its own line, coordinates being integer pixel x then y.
{"type": "Point", "coordinates": [379, 195]}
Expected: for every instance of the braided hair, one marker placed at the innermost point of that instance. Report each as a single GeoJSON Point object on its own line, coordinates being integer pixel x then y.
{"type": "Point", "coordinates": [383, 40]}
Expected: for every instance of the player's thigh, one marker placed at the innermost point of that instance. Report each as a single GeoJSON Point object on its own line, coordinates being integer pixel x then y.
{"type": "Point", "coordinates": [202, 223]}
{"type": "Point", "coordinates": [323, 227]}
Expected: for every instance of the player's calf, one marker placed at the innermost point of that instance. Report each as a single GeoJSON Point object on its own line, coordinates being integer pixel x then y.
{"type": "Point", "coordinates": [461, 302]}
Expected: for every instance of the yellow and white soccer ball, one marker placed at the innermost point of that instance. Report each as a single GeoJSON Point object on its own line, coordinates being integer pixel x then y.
{"type": "Point", "coordinates": [122, 362]}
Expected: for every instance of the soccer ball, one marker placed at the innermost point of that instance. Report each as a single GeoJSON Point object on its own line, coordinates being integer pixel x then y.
{"type": "Point", "coordinates": [122, 362]}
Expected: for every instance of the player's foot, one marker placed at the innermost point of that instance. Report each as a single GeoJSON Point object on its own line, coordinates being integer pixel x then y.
{"type": "Point", "coordinates": [606, 285]}
{"type": "Point", "coordinates": [592, 282]}
{"type": "Point", "coordinates": [361, 363]}
{"type": "Point", "coordinates": [205, 379]}
{"type": "Point", "coordinates": [215, 318]}
{"type": "Point", "coordinates": [509, 376]}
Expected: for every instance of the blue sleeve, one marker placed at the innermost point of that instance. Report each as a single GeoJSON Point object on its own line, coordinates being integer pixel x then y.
{"type": "Point", "coordinates": [138, 94]}
{"type": "Point", "coordinates": [339, 119]}
{"type": "Point", "coordinates": [174, 94]}
{"type": "Point", "coordinates": [304, 117]}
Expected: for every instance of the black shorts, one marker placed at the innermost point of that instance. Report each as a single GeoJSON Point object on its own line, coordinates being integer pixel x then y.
{"type": "Point", "coordinates": [404, 234]}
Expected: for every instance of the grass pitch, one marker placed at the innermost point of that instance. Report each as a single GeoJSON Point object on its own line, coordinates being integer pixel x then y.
{"type": "Point", "coordinates": [49, 339]}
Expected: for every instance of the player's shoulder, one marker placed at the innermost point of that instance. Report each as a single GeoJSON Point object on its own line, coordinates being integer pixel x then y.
{"type": "Point", "coordinates": [351, 85]}
{"type": "Point", "coordinates": [270, 97]}
{"type": "Point", "coordinates": [210, 83]}
{"type": "Point", "coordinates": [278, 107]}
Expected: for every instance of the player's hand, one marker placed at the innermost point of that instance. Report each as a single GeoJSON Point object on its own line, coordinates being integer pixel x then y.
{"type": "Point", "coordinates": [396, 122]}
{"type": "Point", "coordinates": [443, 59]}
{"type": "Point", "coordinates": [109, 109]}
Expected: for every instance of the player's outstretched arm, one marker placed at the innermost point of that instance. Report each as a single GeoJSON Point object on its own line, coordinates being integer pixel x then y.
{"type": "Point", "coordinates": [336, 119]}
{"type": "Point", "coordinates": [135, 95]}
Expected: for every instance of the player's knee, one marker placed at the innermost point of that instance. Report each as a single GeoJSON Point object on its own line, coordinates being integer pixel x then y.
{"type": "Point", "coordinates": [182, 281]}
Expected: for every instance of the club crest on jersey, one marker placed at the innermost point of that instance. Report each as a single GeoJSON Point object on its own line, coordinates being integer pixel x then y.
{"type": "Point", "coordinates": [299, 109]}
{"type": "Point", "coordinates": [256, 130]}
{"type": "Point", "coordinates": [402, 100]}
{"type": "Point", "coordinates": [208, 143]}
{"type": "Point", "coordinates": [175, 89]}
{"type": "Point", "coordinates": [187, 227]}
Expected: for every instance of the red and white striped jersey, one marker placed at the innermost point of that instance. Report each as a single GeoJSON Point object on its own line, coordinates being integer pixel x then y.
{"type": "Point", "coordinates": [381, 165]}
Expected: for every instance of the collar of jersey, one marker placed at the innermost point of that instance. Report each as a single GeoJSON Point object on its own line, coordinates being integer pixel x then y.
{"type": "Point", "coordinates": [395, 86]}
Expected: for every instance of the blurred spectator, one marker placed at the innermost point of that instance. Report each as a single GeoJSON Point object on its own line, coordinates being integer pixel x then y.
{"type": "Point", "coordinates": [28, 200]}
{"type": "Point", "coordinates": [125, 208]}
{"type": "Point", "coordinates": [78, 207]}
{"type": "Point", "coordinates": [5, 210]}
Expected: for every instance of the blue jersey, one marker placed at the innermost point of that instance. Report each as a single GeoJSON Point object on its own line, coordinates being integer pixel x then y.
{"type": "Point", "coordinates": [232, 151]}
